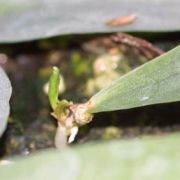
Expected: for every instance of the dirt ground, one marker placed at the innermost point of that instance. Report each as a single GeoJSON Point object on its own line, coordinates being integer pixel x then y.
{"type": "Point", "coordinates": [86, 62]}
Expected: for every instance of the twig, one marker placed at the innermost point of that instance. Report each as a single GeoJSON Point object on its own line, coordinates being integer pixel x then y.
{"type": "Point", "coordinates": [145, 47]}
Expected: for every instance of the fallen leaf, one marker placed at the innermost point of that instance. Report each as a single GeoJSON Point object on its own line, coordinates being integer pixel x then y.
{"type": "Point", "coordinates": [120, 21]}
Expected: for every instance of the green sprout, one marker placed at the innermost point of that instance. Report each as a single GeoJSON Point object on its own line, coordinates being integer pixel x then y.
{"type": "Point", "coordinates": [54, 87]}
{"type": "Point", "coordinates": [140, 87]}
{"type": "Point", "coordinates": [69, 116]}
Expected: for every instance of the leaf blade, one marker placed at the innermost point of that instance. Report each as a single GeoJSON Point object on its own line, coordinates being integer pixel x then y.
{"type": "Point", "coordinates": [138, 156]}
{"type": "Point", "coordinates": [5, 93]}
{"type": "Point", "coordinates": [39, 19]}
{"type": "Point", "coordinates": [157, 81]}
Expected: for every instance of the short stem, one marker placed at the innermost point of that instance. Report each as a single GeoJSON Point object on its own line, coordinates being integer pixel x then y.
{"type": "Point", "coordinates": [60, 140]}
{"type": "Point", "coordinates": [68, 125]}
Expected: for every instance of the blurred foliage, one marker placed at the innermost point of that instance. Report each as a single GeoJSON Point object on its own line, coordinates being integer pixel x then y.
{"type": "Point", "coordinates": [47, 18]}
{"type": "Point", "coordinates": [145, 158]}
{"type": "Point", "coordinates": [79, 66]}
{"type": "Point", "coordinates": [5, 94]}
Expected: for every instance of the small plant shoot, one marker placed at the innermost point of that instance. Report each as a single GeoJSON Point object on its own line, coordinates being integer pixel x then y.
{"type": "Point", "coordinates": [69, 116]}
{"type": "Point", "coordinates": [152, 83]}
{"type": "Point", "coordinates": [54, 87]}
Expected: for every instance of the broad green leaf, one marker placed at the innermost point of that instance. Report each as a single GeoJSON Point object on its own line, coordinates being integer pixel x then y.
{"type": "Point", "coordinates": [27, 19]}
{"type": "Point", "coordinates": [157, 81]}
{"type": "Point", "coordinates": [5, 93]}
{"type": "Point", "coordinates": [54, 87]}
{"type": "Point", "coordinates": [154, 158]}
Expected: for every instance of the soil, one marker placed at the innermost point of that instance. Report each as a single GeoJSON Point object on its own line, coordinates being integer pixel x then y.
{"type": "Point", "coordinates": [85, 62]}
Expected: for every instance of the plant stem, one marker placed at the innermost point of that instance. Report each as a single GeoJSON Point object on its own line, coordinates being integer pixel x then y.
{"type": "Point", "coordinates": [60, 140]}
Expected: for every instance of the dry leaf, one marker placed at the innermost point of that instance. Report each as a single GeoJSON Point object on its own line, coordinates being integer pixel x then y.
{"type": "Point", "coordinates": [120, 21]}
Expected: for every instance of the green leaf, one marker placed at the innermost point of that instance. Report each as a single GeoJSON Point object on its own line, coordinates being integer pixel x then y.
{"type": "Point", "coordinates": [157, 81]}
{"type": "Point", "coordinates": [54, 87]}
{"type": "Point", "coordinates": [148, 158]}
{"type": "Point", "coordinates": [23, 20]}
{"type": "Point", "coordinates": [5, 93]}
